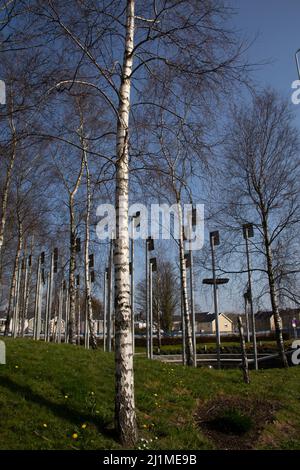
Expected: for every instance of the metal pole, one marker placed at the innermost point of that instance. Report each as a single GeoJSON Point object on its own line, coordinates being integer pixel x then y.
{"type": "Point", "coordinates": [67, 307]}
{"type": "Point", "coordinates": [37, 300]}
{"type": "Point", "coordinates": [183, 333]}
{"type": "Point", "coordinates": [193, 308]}
{"type": "Point", "coordinates": [78, 316]}
{"type": "Point", "coordinates": [86, 327]}
{"type": "Point", "coordinates": [47, 308]}
{"type": "Point", "coordinates": [16, 302]}
{"type": "Point", "coordinates": [132, 291]}
{"type": "Point", "coordinates": [104, 310]}
{"type": "Point", "coordinates": [244, 352]}
{"type": "Point", "coordinates": [109, 303]}
{"type": "Point", "coordinates": [216, 303]}
{"type": "Point", "coordinates": [147, 304]}
{"type": "Point", "coordinates": [50, 296]}
{"type": "Point", "coordinates": [247, 319]}
{"type": "Point", "coordinates": [251, 302]}
{"type": "Point", "coordinates": [24, 296]}
{"type": "Point", "coordinates": [39, 311]}
{"type": "Point", "coordinates": [60, 309]}
{"type": "Point", "coordinates": [150, 312]}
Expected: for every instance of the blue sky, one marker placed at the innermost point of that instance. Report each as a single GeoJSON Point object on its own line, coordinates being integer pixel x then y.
{"type": "Point", "coordinates": [275, 28]}
{"type": "Point", "coordinates": [276, 24]}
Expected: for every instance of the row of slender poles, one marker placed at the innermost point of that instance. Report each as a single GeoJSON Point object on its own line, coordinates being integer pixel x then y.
{"type": "Point", "coordinates": [21, 298]}
{"type": "Point", "coordinates": [248, 297]}
{"type": "Point", "coordinates": [150, 268]}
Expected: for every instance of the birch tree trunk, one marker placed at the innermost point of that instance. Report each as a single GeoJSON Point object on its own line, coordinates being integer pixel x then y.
{"type": "Point", "coordinates": [27, 290]}
{"type": "Point", "coordinates": [72, 263]}
{"type": "Point", "coordinates": [72, 267]}
{"type": "Point", "coordinates": [23, 288]}
{"type": "Point", "coordinates": [183, 277]}
{"type": "Point", "coordinates": [125, 417]}
{"type": "Point", "coordinates": [12, 292]}
{"type": "Point", "coordinates": [158, 332]}
{"type": "Point", "coordinates": [273, 294]}
{"type": "Point", "coordinates": [245, 368]}
{"type": "Point", "coordinates": [8, 177]}
{"type": "Point", "coordinates": [88, 297]}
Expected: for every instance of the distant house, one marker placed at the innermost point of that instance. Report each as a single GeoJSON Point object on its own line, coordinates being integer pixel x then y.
{"type": "Point", "coordinates": [289, 316]}
{"type": "Point", "coordinates": [206, 323]}
{"type": "Point", "coordinates": [264, 320]}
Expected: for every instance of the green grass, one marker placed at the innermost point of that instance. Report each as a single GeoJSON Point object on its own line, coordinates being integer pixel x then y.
{"type": "Point", "coordinates": [48, 392]}
{"type": "Point", "coordinates": [211, 347]}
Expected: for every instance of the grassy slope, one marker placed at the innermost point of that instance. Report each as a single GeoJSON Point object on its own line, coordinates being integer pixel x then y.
{"type": "Point", "coordinates": [65, 387]}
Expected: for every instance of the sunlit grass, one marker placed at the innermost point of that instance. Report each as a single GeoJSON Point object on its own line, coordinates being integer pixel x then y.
{"type": "Point", "coordinates": [62, 397]}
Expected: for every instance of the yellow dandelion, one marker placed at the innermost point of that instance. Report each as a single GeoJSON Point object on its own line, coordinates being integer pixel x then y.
{"type": "Point", "coordinates": [75, 435]}
{"type": "Point", "coordinates": [16, 367]}
{"type": "Point", "coordinates": [83, 426]}
{"type": "Point", "coordinates": [144, 425]}
{"type": "Point", "coordinates": [45, 425]}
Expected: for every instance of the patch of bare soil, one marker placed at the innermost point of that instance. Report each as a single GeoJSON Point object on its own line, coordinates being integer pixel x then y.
{"type": "Point", "coordinates": [233, 422]}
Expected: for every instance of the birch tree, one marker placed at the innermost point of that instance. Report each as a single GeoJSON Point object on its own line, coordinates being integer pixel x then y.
{"type": "Point", "coordinates": [10, 166]}
{"type": "Point", "coordinates": [88, 298]}
{"type": "Point", "coordinates": [171, 42]}
{"type": "Point", "coordinates": [262, 167]}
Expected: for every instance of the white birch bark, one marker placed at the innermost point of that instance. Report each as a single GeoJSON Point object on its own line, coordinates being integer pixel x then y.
{"type": "Point", "coordinates": [125, 416]}
{"type": "Point", "coordinates": [183, 277]}
{"type": "Point", "coordinates": [8, 176]}
{"type": "Point", "coordinates": [72, 263]}
{"type": "Point", "coordinates": [28, 283]}
{"type": "Point", "coordinates": [12, 292]}
{"type": "Point", "coordinates": [89, 331]}
{"type": "Point", "coordinates": [273, 294]}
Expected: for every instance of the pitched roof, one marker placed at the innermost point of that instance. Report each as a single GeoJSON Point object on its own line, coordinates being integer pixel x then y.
{"type": "Point", "coordinates": [205, 317]}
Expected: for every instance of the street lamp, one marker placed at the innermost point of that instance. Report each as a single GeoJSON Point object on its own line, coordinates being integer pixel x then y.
{"type": "Point", "coordinates": [215, 241]}
{"type": "Point", "coordinates": [217, 282]}
{"type": "Point", "coordinates": [109, 297]}
{"type": "Point", "coordinates": [38, 300]}
{"type": "Point", "coordinates": [135, 221]}
{"type": "Point", "coordinates": [49, 300]}
{"type": "Point", "coordinates": [149, 247]}
{"type": "Point", "coordinates": [152, 269]}
{"type": "Point", "coordinates": [249, 233]}
{"type": "Point", "coordinates": [190, 265]}
{"type": "Point", "coordinates": [105, 308]}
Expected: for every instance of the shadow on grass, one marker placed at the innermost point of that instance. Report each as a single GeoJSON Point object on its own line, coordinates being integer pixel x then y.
{"type": "Point", "coordinates": [61, 410]}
